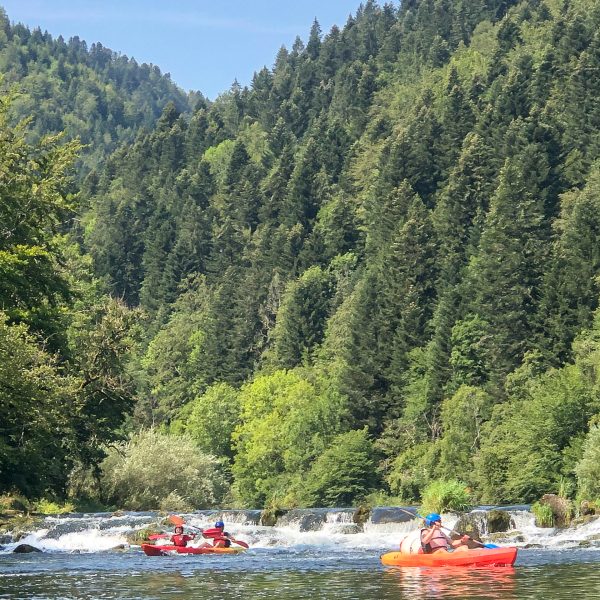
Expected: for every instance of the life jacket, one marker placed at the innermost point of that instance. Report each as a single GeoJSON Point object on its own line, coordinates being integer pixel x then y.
{"type": "Point", "coordinates": [222, 539]}
{"type": "Point", "coordinates": [439, 540]}
{"type": "Point", "coordinates": [217, 535]}
{"type": "Point", "coordinates": [181, 539]}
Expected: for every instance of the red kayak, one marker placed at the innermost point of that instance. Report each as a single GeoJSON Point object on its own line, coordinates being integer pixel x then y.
{"type": "Point", "coordinates": [164, 550]}
{"type": "Point", "coordinates": [480, 557]}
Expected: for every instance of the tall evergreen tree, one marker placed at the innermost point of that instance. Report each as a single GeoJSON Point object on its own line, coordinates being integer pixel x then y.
{"type": "Point", "coordinates": [507, 271]}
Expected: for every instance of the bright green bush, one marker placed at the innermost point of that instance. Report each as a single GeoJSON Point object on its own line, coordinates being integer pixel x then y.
{"type": "Point", "coordinates": [287, 420]}
{"type": "Point", "coordinates": [544, 517]}
{"type": "Point", "coordinates": [49, 507]}
{"type": "Point", "coordinates": [441, 496]}
{"type": "Point", "coordinates": [157, 470]}
{"type": "Point", "coordinates": [211, 418]}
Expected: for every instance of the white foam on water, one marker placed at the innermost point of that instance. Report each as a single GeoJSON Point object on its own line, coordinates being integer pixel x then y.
{"type": "Point", "coordinates": [90, 540]}
{"type": "Point", "coordinates": [551, 537]}
{"type": "Point", "coordinates": [336, 533]}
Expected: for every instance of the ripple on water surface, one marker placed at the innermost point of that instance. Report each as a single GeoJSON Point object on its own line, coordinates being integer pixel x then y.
{"type": "Point", "coordinates": [306, 573]}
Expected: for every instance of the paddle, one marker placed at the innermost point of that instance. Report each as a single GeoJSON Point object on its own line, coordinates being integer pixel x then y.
{"type": "Point", "coordinates": [181, 521]}
{"type": "Point", "coordinates": [213, 533]}
{"type": "Point", "coordinates": [450, 530]}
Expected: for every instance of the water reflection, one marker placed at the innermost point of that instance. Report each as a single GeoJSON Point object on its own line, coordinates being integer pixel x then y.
{"type": "Point", "coordinates": [452, 582]}
{"type": "Point", "coordinates": [288, 575]}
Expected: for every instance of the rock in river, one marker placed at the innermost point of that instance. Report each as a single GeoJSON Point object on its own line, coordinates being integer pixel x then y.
{"type": "Point", "coordinates": [25, 549]}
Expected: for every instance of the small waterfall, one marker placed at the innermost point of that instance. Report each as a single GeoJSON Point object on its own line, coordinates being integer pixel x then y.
{"type": "Point", "coordinates": [298, 530]}
{"type": "Point", "coordinates": [315, 519]}
{"type": "Point", "coordinates": [207, 518]}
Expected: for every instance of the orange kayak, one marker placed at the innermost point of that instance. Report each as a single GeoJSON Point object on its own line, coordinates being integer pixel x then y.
{"type": "Point", "coordinates": [155, 550]}
{"type": "Point", "coordinates": [480, 557]}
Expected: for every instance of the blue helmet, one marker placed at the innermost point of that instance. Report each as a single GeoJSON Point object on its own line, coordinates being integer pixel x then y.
{"type": "Point", "coordinates": [219, 524]}
{"type": "Point", "coordinates": [432, 518]}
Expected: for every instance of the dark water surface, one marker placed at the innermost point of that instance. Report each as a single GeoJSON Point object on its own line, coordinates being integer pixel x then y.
{"type": "Point", "coordinates": [292, 573]}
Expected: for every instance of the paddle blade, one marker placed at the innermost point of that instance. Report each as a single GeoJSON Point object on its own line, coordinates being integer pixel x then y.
{"type": "Point", "coordinates": [490, 546]}
{"type": "Point", "coordinates": [240, 543]}
{"type": "Point", "coordinates": [212, 532]}
{"type": "Point", "coordinates": [158, 536]}
{"type": "Point", "coordinates": [176, 520]}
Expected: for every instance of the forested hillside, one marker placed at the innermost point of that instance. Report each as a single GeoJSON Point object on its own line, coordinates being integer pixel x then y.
{"type": "Point", "coordinates": [93, 93]}
{"type": "Point", "coordinates": [374, 268]}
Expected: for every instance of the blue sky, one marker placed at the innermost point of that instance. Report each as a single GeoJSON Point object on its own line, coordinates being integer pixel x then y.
{"type": "Point", "coordinates": [203, 44]}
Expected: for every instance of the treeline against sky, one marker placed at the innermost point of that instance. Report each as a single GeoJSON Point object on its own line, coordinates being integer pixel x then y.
{"type": "Point", "coordinates": [375, 267]}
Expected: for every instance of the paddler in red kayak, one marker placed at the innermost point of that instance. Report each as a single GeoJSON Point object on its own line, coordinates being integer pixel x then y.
{"type": "Point", "coordinates": [220, 538]}
{"type": "Point", "coordinates": [433, 539]}
{"type": "Point", "coordinates": [180, 538]}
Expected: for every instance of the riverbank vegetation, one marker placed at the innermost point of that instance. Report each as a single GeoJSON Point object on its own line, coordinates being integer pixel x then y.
{"type": "Point", "coordinates": [374, 269]}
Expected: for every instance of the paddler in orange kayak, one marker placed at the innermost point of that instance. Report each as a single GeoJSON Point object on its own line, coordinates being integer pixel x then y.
{"type": "Point", "coordinates": [433, 539]}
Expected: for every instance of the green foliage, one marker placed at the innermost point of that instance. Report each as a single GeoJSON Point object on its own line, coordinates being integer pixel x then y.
{"type": "Point", "coordinates": [445, 495]}
{"type": "Point", "coordinates": [544, 517]}
{"type": "Point", "coordinates": [287, 421]}
{"type": "Point", "coordinates": [588, 468]}
{"type": "Point", "coordinates": [102, 339]}
{"type": "Point", "coordinates": [15, 502]}
{"type": "Point", "coordinates": [210, 419]}
{"type": "Point", "coordinates": [411, 471]}
{"type": "Point", "coordinates": [404, 211]}
{"type": "Point", "coordinates": [155, 470]}
{"type": "Point", "coordinates": [35, 410]}
{"type": "Point", "coordinates": [51, 507]}
{"type": "Point", "coordinates": [345, 473]}
{"type": "Point", "coordinates": [97, 95]}
{"type": "Point", "coordinates": [462, 418]}
{"type": "Point", "coordinates": [301, 318]}
{"type": "Point", "coordinates": [35, 202]}
{"type": "Point", "coordinates": [524, 444]}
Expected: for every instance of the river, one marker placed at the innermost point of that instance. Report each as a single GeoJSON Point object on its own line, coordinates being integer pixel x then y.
{"type": "Point", "coordinates": [309, 554]}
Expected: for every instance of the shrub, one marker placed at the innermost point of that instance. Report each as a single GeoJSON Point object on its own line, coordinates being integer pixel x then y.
{"type": "Point", "coordinates": [49, 507]}
{"type": "Point", "coordinates": [156, 468]}
{"type": "Point", "coordinates": [174, 502]}
{"type": "Point", "coordinates": [14, 502]}
{"type": "Point", "coordinates": [288, 418]}
{"type": "Point", "coordinates": [440, 496]}
{"type": "Point", "coordinates": [544, 517]}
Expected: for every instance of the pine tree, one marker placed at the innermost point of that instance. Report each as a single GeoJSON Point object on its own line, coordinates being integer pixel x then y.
{"type": "Point", "coordinates": [571, 291]}
{"type": "Point", "coordinates": [506, 273]}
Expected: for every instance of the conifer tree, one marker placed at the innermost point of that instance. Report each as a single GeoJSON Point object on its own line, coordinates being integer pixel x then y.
{"type": "Point", "coordinates": [506, 273]}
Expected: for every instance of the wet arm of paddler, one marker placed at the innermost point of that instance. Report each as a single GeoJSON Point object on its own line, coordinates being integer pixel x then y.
{"type": "Point", "coordinates": [460, 541]}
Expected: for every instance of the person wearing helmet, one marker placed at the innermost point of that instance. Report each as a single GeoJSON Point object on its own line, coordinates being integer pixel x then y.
{"type": "Point", "coordinates": [222, 539]}
{"type": "Point", "coordinates": [180, 538]}
{"type": "Point", "coordinates": [433, 539]}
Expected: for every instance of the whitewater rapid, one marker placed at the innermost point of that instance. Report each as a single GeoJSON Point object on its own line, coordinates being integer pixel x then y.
{"type": "Point", "coordinates": [326, 529]}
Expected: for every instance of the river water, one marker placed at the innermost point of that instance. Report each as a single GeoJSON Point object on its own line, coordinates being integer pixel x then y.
{"type": "Point", "coordinates": [332, 559]}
